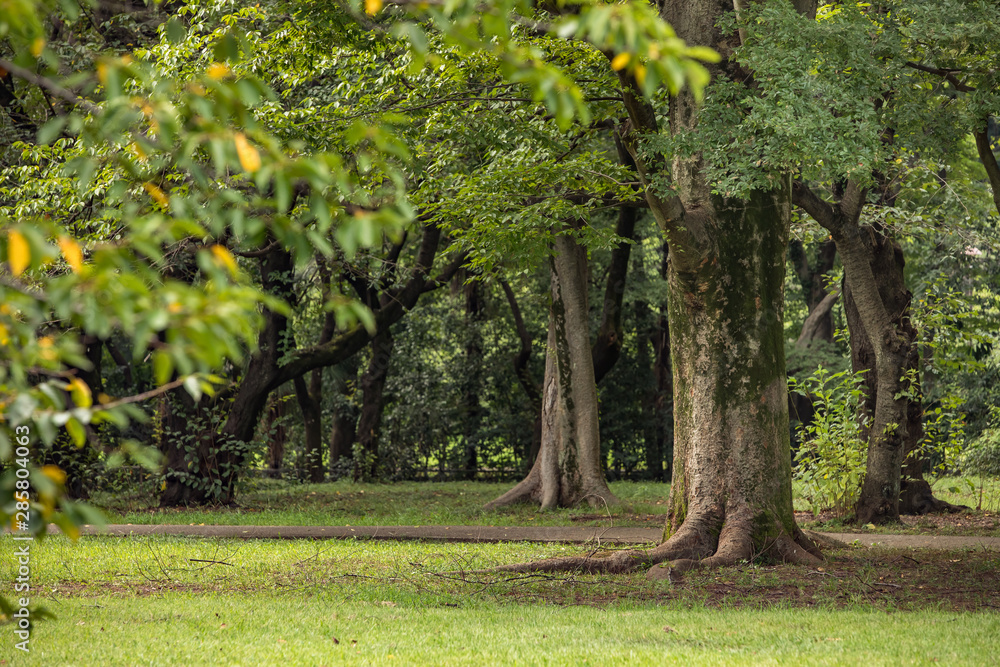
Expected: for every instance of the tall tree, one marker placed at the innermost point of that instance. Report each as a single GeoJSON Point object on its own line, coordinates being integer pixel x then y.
{"type": "Point", "coordinates": [731, 492]}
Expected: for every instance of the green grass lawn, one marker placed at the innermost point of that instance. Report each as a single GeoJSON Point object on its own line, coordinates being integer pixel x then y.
{"type": "Point", "coordinates": [270, 502]}
{"type": "Point", "coordinates": [281, 503]}
{"type": "Point", "coordinates": [187, 601]}
{"type": "Point", "coordinates": [320, 629]}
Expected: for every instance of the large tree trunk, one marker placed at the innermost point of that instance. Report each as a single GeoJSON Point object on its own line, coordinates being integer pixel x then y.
{"type": "Point", "coordinates": [731, 492]}
{"type": "Point", "coordinates": [568, 468]}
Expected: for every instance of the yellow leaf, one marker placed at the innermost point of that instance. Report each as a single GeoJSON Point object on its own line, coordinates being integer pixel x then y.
{"type": "Point", "coordinates": [102, 73]}
{"type": "Point", "coordinates": [620, 61]}
{"type": "Point", "coordinates": [103, 398]}
{"type": "Point", "coordinates": [4, 337]}
{"type": "Point", "coordinates": [225, 258]}
{"type": "Point", "coordinates": [18, 252]}
{"type": "Point", "coordinates": [372, 7]}
{"type": "Point", "coordinates": [163, 485]}
{"type": "Point", "coordinates": [80, 392]}
{"type": "Point", "coordinates": [37, 46]}
{"type": "Point", "coordinates": [217, 71]}
{"type": "Point", "coordinates": [55, 473]}
{"type": "Point", "coordinates": [157, 194]}
{"type": "Point", "coordinates": [640, 74]}
{"type": "Point", "coordinates": [249, 157]}
{"type": "Point", "coordinates": [71, 251]}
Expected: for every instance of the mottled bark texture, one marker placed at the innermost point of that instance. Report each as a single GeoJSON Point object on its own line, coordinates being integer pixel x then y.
{"type": "Point", "coordinates": [567, 470]}
{"type": "Point", "coordinates": [731, 497]}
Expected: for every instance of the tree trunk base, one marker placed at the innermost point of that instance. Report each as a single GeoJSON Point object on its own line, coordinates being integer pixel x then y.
{"type": "Point", "coordinates": [916, 497]}
{"type": "Point", "coordinates": [693, 546]}
{"type": "Point", "coordinates": [533, 490]}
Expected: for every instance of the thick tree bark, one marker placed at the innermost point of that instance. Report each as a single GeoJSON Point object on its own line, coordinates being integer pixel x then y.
{"type": "Point", "coordinates": [568, 468]}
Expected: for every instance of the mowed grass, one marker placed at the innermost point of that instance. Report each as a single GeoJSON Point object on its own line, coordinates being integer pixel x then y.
{"type": "Point", "coordinates": [190, 601]}
{"type": "Point", "coordinates": [272, 502]}
{"type": "Point", "coordinates": [320, 629]}
{"type": "Point", "coordinates": [282, 503]}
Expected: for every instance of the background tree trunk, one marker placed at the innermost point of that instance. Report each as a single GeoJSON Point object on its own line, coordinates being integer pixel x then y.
{"type": "Point", "coordinates": [472, 293]}
{"type": "Point", "coordinates": [367, 459]}
{"type": "Point", "coordinates": [568, 468]}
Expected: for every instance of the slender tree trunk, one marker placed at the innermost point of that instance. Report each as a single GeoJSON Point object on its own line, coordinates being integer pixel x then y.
{"type": "Point", "coordinates": [871, 267]}
{"type": "Point", "coordinates": [471, 383]}
{"type": "Point", "coordinates": [345, 420]}
{"type": "Point", "coordinates": [276, 434]}
{"type": "Point", "coordinates": [312, 418]}
{"type": "Point", "coordinates": [568, 468]}
{"type": "Point", "coordinates": [523, 372]}
{"type": "Point", "coordinates": [367, 462]}
{"type": "Point", "coordinates": [818, 325]}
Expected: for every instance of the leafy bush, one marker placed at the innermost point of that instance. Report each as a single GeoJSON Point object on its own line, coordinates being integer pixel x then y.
{"type": "Point", "coordinates": [832, 454]}
{"type": "Point", "coordinates": [983, 455]}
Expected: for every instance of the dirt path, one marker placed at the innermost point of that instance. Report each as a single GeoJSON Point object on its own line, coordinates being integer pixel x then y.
{"type": "Point", "coordinates": [568, 534]}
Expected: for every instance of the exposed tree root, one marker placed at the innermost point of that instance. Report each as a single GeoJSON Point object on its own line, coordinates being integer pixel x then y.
{"type": "Point", "coordinates": [689, 548]}
{"type": "Point", "coordinates": [533, 490]}
{"type": "Point", "coordinates": [917, 497]}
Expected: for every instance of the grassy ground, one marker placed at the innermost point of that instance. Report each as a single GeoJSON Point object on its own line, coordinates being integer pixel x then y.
{"type": "Point", "coordinates": [168, 601]}
{"type": "Point", "coordinates": [272, 502]}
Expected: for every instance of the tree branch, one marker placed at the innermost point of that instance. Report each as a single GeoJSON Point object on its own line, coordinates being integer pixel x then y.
{"type": "Point", "coordinates": [948, 74]}
{"type": "Point", "coordinates": [990, 162]}
{"type": "Point", "coordinates": [49, 85]}
{"type": "Point", "coordinates": [820, 210]}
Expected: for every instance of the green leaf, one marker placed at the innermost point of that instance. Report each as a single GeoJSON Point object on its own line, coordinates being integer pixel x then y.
{"type": "Point", "coordinates": [175, 30]}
